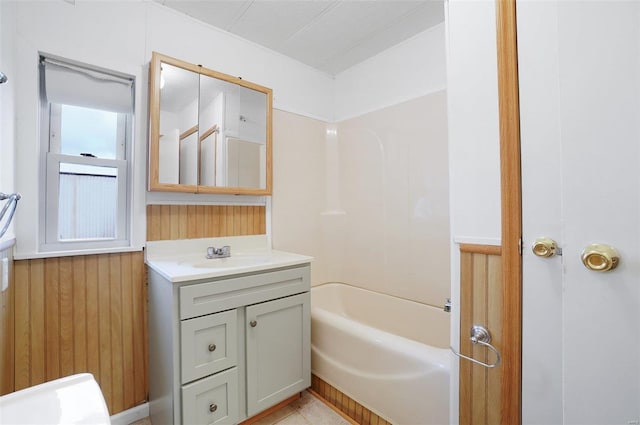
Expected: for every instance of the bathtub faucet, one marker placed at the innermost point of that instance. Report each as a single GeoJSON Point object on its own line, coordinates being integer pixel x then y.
{"type": "Point", "coordinates": [223, 252]}
{"type": "Point", "coordinates": [447, 305]}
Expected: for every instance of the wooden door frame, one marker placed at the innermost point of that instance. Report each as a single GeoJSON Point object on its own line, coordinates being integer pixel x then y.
{"type": "Point", "coordinates": [511, 210]}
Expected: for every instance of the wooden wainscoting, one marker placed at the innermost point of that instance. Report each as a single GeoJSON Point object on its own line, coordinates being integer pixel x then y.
{"type": "Point", "coordinates": [168, 222]}
{"type": "Point", "coordinates": [83, 314]}
{"type": "Point", "coordinates": [345, 404]}
{"type": "Point", "coordinates": [480, 303]}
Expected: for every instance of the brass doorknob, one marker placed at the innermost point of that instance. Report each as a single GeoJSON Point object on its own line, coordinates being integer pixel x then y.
{"type": "Point", "coordinates": [600, 258]}
{"type": "Point", "coordinates": [544, 247]}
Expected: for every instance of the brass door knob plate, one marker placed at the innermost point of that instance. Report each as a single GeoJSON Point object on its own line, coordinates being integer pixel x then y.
{"type": "Point", "coordinates": [545, 247]}
{"type": "Point", "coordinates": [600, 258]}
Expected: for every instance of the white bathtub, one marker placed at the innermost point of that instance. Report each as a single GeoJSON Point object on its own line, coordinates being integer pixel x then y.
{"type": "Point", "coordinates": [389, 354]}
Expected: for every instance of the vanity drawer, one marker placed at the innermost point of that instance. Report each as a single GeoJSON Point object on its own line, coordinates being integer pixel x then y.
{"type": "Point", "coordinates": [212, 400]}
{"type": "Point", "coordinates": [209, 344]}
{"type": "Point", "coordinates": [208, 297]}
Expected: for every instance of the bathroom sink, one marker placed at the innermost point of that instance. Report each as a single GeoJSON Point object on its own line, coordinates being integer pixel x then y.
{"type": "Point", "coordinates": [185, 260]}
{"type": "Point", "coordinates": [236, 260]}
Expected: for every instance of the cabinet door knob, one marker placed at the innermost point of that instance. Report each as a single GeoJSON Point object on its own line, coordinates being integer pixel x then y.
{"type": "Point", "coordinates": [213, 407]}
{"type": "Point", "coordinates": [212, 347]}
{"type": "Point", "coordinates": [253, 323]}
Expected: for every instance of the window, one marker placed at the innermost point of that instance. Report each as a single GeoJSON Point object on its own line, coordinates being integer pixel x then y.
{"type": "Point", "coordinates": [87, 120]}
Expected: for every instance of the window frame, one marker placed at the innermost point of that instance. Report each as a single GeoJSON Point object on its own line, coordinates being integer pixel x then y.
{"type": "Point", "coordinates": [51, 158]}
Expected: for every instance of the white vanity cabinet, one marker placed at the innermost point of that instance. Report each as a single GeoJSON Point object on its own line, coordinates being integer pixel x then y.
{"type": "Point", "coordinates": [226, 348]}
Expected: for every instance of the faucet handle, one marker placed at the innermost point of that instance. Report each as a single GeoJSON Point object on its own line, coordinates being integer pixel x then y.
{"type": "Point", "coordinates": [213, 252]}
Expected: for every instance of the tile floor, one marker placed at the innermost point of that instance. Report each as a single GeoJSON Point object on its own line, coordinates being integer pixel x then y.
{"type": "Point", "coordinates": [307, 410]}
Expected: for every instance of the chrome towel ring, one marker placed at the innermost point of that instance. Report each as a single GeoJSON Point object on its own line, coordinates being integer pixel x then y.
{"type": "Point", "coordinates": [9, 207]}
{"type": "Point", "coordinates": [481, 336]}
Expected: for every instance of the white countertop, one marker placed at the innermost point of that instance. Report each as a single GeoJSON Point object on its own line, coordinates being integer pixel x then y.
{"type": "Point", "coordinates": [185, 259]}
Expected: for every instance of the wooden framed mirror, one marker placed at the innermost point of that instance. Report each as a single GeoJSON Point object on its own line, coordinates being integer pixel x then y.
{"type": "Point", "coordinates": [209, 132]}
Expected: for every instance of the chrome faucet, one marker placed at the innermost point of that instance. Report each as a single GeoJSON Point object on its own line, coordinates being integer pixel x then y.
{"type": "Point", "coordinates": [447, 306]}
{"type": "Point", "coordinates": [223, 252]}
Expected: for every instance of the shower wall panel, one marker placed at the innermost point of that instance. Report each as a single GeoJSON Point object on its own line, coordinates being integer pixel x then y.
{"type": "Point", "coordinates": [394, 193]}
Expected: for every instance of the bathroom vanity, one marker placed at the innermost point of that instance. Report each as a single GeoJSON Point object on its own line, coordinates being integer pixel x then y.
{"type": "Point", "coordinates": [228, 337]}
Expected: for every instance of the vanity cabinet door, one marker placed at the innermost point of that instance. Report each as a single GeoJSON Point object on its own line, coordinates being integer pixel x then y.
{"type": "Point", "coordinates": [278, 351]}
{"type": "Point", "coordinates": [209, 344]}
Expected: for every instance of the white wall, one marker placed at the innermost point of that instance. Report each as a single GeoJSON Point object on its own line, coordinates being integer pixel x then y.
{"type": "Point", "coordinates": [474, 154]}
{"type": "Point", "coordinates": [7, 95]}
{"type": "Point", "coordinates": [296, 87]}
{"type": "Point", "coordinates": [474, 138]}
{"type": "Point", "coordinates": [411, 69]}
{"type": "Point", "coordinates": [121, 35]}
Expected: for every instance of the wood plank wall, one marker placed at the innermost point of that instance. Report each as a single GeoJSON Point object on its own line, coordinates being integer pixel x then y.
{"type": "Point", "coordinates": [88, 313]}
{"type": "Point", "coordinates": [480, 303]}
{"type": "Point", "coordinates": [169, 222]}
{"type": "Point", "coordinates": [83, 314]}
{"type": "Point", "coordinates": [342, 402]}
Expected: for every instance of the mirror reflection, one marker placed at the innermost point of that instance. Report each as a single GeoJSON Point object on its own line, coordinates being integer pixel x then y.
{"type": "Point", "coordinates": [233, 145]}
{"type": "Point", "coordinates": [178, 141]}
{"type": "Point", "coordinates": [210, 132]}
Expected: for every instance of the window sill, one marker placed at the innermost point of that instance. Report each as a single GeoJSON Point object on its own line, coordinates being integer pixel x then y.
{"type": "Point", "coordinates": [52, 254]}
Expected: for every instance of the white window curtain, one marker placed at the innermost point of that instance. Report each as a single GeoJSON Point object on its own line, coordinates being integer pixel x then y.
{"type": "Point", "coordinates": [70, 85]}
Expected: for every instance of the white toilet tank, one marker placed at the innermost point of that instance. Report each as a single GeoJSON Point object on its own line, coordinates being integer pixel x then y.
{"type": "Point", "coordinates": [75, 399]}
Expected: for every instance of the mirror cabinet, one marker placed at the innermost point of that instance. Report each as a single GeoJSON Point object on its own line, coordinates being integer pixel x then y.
{"type": "Point", "coordinates": [209, 132]}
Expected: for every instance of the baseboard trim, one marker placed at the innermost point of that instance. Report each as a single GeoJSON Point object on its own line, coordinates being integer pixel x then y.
{"type": "Point", "coordinates": [131, 415]}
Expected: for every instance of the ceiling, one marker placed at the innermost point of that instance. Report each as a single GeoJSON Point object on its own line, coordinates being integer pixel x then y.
{"type": "Point", "coordinates": [327, 35]}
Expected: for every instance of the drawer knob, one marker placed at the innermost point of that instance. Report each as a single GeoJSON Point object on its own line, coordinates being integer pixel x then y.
{"type": "Point", "coordinates": [213, 407]}
{"type": "Point", "coordinates": [253, 323]}
{"type": "Point", "coordinates": [212, 347]}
